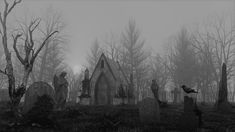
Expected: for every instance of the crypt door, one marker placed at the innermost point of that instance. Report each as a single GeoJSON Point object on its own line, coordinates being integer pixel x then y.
{"type": "Point", "coordinates": [102, 90]}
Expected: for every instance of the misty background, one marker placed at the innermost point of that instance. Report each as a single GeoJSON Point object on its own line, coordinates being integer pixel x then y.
{"type": "Point", "coordinates": [89, 20]}
{"type": "Point", "coordinates": [151, 40]}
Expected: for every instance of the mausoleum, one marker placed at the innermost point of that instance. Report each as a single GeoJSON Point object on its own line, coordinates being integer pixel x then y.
{"type": "Point", "coordinates": [105, 81]}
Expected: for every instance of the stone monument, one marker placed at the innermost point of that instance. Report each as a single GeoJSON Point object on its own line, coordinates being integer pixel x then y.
{"type": "Point", "coordinates": [85, 95]}
{"type": "Point", "coordinates": [222, 103]}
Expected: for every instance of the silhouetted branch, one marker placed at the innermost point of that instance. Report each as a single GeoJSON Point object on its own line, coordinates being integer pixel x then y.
{"type": "Point", "coordinates": [15, 38]}
{"type": "Point", "coordinates": [13, 5]}
{"type": "Point", "coordinates": [33, 25]}
{"type": "Point", "coordinates": [3, 72]}
{"type": "Point", "coordinates": [1, 20]}
{"type": "Point", "coordinates": [1, 32]}
{"type": "Point", "coordinates": [40, 48]}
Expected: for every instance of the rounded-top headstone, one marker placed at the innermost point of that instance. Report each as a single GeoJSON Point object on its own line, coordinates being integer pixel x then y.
{"type": "Point", "coordinates": [35, 90]}
{"type": "Point", "coordinates": [149, 111]}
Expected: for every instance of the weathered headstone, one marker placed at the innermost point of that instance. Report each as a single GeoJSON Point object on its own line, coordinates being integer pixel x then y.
{"type": "Point", "coordinates": [34, 91]}
{"type": "Point", "coordinates": [188, 104]}
{"type": "Point", "coordinates": [61, 90]}
{"type": "Point", "coordinates": [149, 111]}
{"type": "Point", "coordinates": [222, 103]}
{"type": "Point", "coordinates": [188, 120]}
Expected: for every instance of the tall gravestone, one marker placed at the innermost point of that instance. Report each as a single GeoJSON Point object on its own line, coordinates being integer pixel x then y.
{"type": "Point", "coordinates": [222, 103]}
{"type": "Point", "coordinates": [85, 95]}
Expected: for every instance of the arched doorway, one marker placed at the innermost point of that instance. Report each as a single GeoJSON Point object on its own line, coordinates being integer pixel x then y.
{"type": "Point", "coordinates": [102, 90]}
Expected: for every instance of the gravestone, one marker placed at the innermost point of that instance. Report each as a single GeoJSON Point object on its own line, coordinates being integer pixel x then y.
{"type": "Point", "coordinates": [188, 120]}
{"type": "Point", "coordinates": [188, 104]}
{"type": "Point", "coordinates": [149, 111]}
{"type": "Point", "coordinates": [222, 103]}
{"type": "Point", "coordinates": [34, 91]}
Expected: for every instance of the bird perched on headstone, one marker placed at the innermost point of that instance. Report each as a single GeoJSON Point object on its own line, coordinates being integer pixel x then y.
{"type": "Point", "coordinates": [188, 90]}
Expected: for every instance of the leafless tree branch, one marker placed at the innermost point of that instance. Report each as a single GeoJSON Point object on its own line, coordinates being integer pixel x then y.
{"type": "Point", "coordinates": [40, 48]}
{"type": "Point", "coordinates": [3, 72]}
{"type": "Point", "coordinates": [33, 25]}
{"type": "Point", "coordinates": [1, 20]}
{"type": "Point", "coordinates": [15, 38]}
{"type": "Point", "coordinates": [13, 5]}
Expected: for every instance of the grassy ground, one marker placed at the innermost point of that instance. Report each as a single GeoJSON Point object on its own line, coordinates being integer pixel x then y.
{"type": "Point", "coordinates": [116, 118]}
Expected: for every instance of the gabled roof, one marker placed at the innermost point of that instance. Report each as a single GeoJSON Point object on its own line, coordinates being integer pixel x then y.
{"type": "Point", "coordinates": [114, 68]}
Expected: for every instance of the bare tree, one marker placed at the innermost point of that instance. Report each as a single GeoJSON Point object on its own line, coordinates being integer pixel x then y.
{"type": "Point", "coordinates": [3, 78]}
{"type": "Point", "coordinates": [113, 46]}
{"type": "Point", "coordinates": [133, 55]}
{"type": "Point", "coordinates": [52, 56]}
{"type": "Point", "coordinates": [215, 45]}
{"type": "Point", "coordinates": [182, 63]}
{"type": "Point", "coordinates": [94, 55]}
{"type": "Point", "coordinates": [75, 83]}
{"type": "Point", "coordinates": [159, 71]}
{"type": "Point", "coordinates": [30, 53]}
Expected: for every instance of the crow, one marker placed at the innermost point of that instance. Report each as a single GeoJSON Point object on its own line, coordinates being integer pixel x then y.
{"type": "Point", "coordinates": [188, 90]}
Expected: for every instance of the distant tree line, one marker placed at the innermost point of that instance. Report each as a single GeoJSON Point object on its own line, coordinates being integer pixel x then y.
{"type": "Point", "coordinates": [193, 58]}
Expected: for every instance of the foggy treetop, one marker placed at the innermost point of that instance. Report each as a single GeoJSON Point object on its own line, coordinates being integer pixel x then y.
{"type": "Point", "coordinates": [86, 21]}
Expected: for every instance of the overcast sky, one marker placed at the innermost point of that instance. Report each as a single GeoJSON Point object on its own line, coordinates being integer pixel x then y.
{"type": "Point", "coordinates": [157, 20]}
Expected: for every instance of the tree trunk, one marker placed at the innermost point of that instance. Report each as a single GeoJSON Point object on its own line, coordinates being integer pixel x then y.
{"type": "Point", "coordinates": [9, 69]}
{"type": "Point", "coordinates": [43, 64]}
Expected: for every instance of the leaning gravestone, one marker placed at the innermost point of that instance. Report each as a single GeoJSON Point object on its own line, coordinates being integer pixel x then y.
{"type": "Point", "coordinates": [34, 91]}
{"type": "Point", "coordinates": [149, 111]}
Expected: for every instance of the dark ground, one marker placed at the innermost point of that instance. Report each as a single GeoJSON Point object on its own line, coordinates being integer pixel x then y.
{"type": "Point", "coordinates": [125, 118]}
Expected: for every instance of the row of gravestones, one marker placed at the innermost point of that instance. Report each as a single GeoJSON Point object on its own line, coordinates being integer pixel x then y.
{"type": "Point", "coordinates": [149, 113]}
{"type": "Point", "coordinates": [38, 89]}
{"type": "Point", "coordinates": [149, 108]}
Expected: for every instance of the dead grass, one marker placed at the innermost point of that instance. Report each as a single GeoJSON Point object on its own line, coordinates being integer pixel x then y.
{"type": "Point", "coordinates": [119, 119]}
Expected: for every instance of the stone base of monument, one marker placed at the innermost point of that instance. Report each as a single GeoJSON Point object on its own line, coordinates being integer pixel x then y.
{"type": "Point", "coordinates": [224, 107]}
{"type": "Point", "coordinates": [131, 101]}
{"type": "Point", "coordinates": [85, 101]}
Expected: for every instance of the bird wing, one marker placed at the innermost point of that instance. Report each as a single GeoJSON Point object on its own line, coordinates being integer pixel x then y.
{"type": "Point", "coordinates": [188, 89]}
